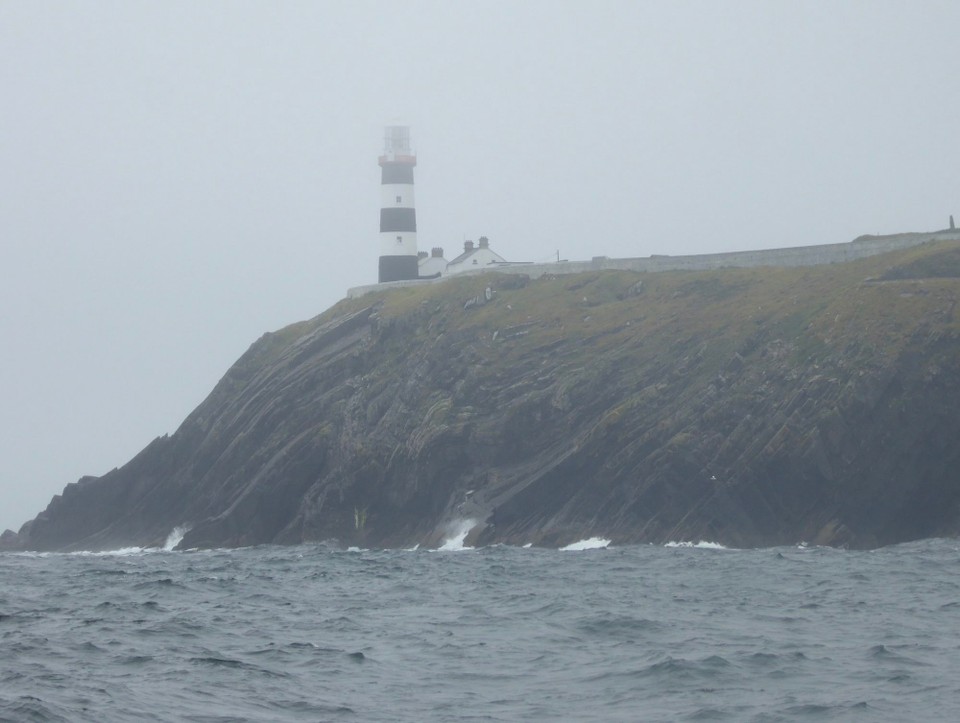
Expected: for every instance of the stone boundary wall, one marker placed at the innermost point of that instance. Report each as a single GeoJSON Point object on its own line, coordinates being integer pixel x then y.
{"type": "Point", "coordinates": [795, 256]}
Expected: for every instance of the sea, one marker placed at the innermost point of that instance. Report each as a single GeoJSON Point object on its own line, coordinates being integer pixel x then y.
{"type": "Point", "coordinates": [592, 632]}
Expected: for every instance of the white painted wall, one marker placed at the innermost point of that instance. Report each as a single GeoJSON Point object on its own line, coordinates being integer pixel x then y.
{"type": "Point", "coordinates": [479, 259]}
{"type": "Point", "coordinates": [398, 243]}
{"type": "Point", "coordinates": [390, 191]}
{"type": "Point", "coordinates": [432, 265]}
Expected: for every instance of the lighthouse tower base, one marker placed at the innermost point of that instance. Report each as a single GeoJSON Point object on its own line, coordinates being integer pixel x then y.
{"type": "Point", "coordinates": [398, 268]}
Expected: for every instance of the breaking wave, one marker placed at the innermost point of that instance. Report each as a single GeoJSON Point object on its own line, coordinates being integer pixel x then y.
{"type": "Point", "coordinates": [591, 543]}
{"type": "Point", "coordinates": [458, 532]}
{"type": "Point", "coordinates": [175, 537]}
{"type": "Point", "coordinates": [120, 552]}
{"type": "Point", "coordinates": [702, 545]}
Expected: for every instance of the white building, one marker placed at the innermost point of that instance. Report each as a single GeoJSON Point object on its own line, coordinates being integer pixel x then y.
{"type": "Point", "coordinates": [475, 257]}
{"type": "Point", "coordinates": [432, 265]}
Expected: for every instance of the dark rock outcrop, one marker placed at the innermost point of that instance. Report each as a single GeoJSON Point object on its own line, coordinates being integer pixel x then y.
{"type": "Point", "coordinates": [745, 406]}
{"type": "Point", "coordinates": [9, 540]}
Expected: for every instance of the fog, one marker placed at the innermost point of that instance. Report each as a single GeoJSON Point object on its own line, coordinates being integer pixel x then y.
{"type": "Point", "coordinates": [177, 178]}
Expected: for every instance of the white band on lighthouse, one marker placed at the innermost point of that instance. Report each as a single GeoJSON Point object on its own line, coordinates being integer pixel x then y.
{"type": "Point", "coordinates": [396, 195]}
{"type": "Point", "coordinates": [398, 217]}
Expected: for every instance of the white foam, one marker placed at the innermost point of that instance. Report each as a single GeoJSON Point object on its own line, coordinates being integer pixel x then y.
{"type": "Point", "coordinates": [701, 545]}
{"type": "Point", "coordinates": [175, 536]}
{"type": "Point", "coordinates": [458, 533]}
{"type": "Point", "coordinates": [592, 543]}
{"type": "Point", "coordinates": [528, 546]}
{"type": "Point", "coordinates": [121, 552]}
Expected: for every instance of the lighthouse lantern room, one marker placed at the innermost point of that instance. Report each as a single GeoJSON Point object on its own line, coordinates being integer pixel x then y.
{"type": "Point", "coordinates": [398, 217]}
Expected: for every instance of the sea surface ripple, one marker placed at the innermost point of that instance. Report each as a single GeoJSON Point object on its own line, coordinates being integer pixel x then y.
{"type": "Point", "coordinates": [495, 634]}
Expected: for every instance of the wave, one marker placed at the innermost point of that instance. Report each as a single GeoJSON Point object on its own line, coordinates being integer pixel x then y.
{"type": "Point", "coordinates": [169, 545]}
{"type": "Point", "coordinates": [458, 533]}
{"type": "Point", "coordinates": [120, 552]}
{"type": "Point", "coordinates": [591, 543]}
{"type": "Point", "coordinates": [701, 545]}
{"type": "Point", "coordinates": [175, 537]}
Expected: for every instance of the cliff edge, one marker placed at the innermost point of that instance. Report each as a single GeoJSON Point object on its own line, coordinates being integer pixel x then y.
{"type": "Point", "coordinates": [749, 407]}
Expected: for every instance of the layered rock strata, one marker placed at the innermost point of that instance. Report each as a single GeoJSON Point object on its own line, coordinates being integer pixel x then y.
{"type": "Point", "coordinates": [749, 407]}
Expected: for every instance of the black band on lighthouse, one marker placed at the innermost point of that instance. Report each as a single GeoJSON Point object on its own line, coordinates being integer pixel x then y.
{"type": "Point", "coordinates": [397, 173]}
{"type": "Point", "coordinates": [398, 219]}
{"type": "Point", "coordinates": [398, 268]}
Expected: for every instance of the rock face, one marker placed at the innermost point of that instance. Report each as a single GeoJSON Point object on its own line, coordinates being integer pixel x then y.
{"type": "Point", "coordinates": [744, 406]}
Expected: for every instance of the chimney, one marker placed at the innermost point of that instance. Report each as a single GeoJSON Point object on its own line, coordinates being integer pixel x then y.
{"type": "Point", "coordinates": [436, 252]}
{"type": "Point", "coordinates": [421, 254]}
{"type": "Point", "coordinates": [484, 242]}
{"type": "Point", "coordinates": [468, 245]}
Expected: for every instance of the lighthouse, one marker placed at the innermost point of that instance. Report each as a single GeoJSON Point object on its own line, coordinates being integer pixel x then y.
{"type": "Point", "coordinates": [398, 217]}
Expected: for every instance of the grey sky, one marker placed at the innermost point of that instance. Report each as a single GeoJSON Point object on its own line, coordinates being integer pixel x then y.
{"type": "Point", "coordinates": [177, 178]}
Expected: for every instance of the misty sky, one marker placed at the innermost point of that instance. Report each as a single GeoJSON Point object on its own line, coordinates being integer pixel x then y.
{"type": "Point", "coordinates": [177, 178]}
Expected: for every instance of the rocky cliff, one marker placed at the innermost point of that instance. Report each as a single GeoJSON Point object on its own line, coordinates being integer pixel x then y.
{"type": "Point", "coordinates": [744, 406]}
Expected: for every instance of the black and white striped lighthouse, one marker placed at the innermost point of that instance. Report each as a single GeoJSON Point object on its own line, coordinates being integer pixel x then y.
{"type": "Point", "coordinates": [398, 217]}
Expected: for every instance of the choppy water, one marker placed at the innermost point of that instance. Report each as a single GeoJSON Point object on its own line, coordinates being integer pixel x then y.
{"type": "Point", "coordinates": [499, 634]}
